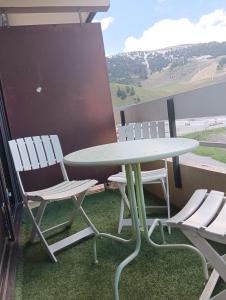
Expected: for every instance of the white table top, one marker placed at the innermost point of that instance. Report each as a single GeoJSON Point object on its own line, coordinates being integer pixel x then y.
{"type": "Point", "coordinates": [130, 152]}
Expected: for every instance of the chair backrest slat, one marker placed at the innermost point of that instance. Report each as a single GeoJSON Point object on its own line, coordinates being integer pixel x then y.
{"type": "Point", "coordinates": [56, 148]}
{"type": "Point", "coordinates": [161, 129]}
{"type": "Point", "coordinates": [36, 152]}
{"type": "Point", "coordinates": [138, 131]}
{"type": "Point", "coordinates": [32, 153]}
{"type": "Point", "coordinates": [207, 211]}
{"type": "Point", "coordinates": [24, 154]}
{"type": "Point", "coordinates": [122, 133]}
{"type": "Point", "coordinates": [129, 132]}
{"type": "Point", "coordinates": [153, 130]}
{"type": "Point", "coordinates": [16, 155]}
{"type": "Point", "coordinates": [51, 160]}
{"type": "Point", "coordinates": [144, 130]}
{"type": "Point", "coordinates": [40, 151]}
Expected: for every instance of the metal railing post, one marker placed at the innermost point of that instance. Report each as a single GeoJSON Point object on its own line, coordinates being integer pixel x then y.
{"type": "Point", "coordinates": [173, 133]}
{"type": "Point", "coordinates": [122, 117]}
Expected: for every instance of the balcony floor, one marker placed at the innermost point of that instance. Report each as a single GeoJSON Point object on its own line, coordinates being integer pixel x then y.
{"type": "Point", "coordinates": [155, 274]}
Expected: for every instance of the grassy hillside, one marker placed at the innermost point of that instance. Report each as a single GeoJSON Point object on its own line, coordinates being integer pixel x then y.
{"type": "Point", "coordinates": [141, 94]}
{"type": "Point", "coordinates": [167, 82]}
{"type": "Point", "coordinates": [165, 72]}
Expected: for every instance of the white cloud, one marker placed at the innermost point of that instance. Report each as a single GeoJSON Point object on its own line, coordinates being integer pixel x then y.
{"type": "Point", "coordinates": [105, 22]}
{"type": "Point", "coordinates": [166, 33]}
{"type": "Point", "coordinates": [161, 1]}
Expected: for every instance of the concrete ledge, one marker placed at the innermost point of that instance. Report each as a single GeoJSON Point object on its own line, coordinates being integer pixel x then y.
{"type": "Point", "coordinates": [194, 176]}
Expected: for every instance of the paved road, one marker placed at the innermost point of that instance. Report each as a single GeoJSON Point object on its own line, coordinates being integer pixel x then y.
{"type": "Point", "coordinates": [188, 126]}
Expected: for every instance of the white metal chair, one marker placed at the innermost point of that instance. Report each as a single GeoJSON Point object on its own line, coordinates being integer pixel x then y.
{"type": "Point", "coordinates": [204, 218]}
{"type": "Point", "coordinates": [36, 152]}
{"type": "Point", "coordinates": [138, 131]}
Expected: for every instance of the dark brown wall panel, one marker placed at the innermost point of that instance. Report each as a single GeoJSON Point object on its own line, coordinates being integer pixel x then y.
{"type": "Point", "coordinates": [68, 63]}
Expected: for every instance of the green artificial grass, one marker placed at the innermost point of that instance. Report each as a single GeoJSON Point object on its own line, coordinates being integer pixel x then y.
{"type": "Point", "coordinates": [154, 274]}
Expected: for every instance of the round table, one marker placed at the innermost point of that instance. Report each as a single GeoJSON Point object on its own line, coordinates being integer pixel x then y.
{"type": "Point", "coordinates": [131, 154]}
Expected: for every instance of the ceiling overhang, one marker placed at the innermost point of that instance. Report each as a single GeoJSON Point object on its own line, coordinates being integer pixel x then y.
{"type": "Point", "coordinates": [30, 12]}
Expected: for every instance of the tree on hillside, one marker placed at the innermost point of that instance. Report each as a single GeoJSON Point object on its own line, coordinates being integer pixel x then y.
{"type": "Point", "coordinates": [221, 63]}
{"type": "Point", "coordinates": [127, 89]}
{"type": "Point", "coordinates": [132, 91]}
{"type": "Point", "coordinates": [121, 93]}
{"type": "Point", "coordinates": [137, 100]}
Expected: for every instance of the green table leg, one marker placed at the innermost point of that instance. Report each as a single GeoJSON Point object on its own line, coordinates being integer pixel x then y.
{"type": "Point", "coordinates": [136, 231]}
{"type": "Point", "coordinates": [110, 236]}
{"type": "Point", "coordinates": [147, 233]}
{"type": "Point", "coordinates": [138, 215]}
{"type": "Point", "coordinates": [136, 227]}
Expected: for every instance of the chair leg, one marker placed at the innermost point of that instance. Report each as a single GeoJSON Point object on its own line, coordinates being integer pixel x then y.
{"type": "Point", "coordinates": [51, 249]}
{"type": "Point", "coordinates": [216, 260]}
{"type": "Point", "coordinates": [122, 189]}
{"type": "Point", "coordinates": [210, 286]}
{"type": "Point", "coordinates": [38, 219]}
{"type": "Point", "coordinates": [78, 204]}
{"type": "Point", "coordinates": [122, 208]}
{"type": "Point", "coordinates": [124, 201]}
{"type": "Point", "coordinates": [168, 203]}
{"type": "Point", "coordinates": [165, 187]}
{"type": "Point", "coordinates": [74, 213]}
{"type": "Point", "coordinates": [168, 197]}
{"type": "Point", "coordinates": [87, 220]}
{"type": "Point", "coordinates": [51, 230]}
{"type": "Point", "coordinates": [167, 194]}
{"type": "Point", "coordinates": [39, 233]}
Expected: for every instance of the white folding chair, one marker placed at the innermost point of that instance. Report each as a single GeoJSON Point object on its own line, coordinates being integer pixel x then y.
{"type": "Point", "coordinates": [36, 152]}
{"type": "Point", "coordinates": [204, 218]}
{"type": "Point", "coordinates": [138, 131]}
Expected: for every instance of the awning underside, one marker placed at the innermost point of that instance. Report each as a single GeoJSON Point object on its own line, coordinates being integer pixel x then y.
{"type": "Point", "coordinates": [31, 12]}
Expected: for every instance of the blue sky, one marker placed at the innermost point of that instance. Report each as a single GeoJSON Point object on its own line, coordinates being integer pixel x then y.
{"type": "Point", "coordinates": [152, 24]}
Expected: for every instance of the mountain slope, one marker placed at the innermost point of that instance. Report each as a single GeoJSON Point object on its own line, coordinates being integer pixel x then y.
{"type": "Point", "coordinates": [165, 72]}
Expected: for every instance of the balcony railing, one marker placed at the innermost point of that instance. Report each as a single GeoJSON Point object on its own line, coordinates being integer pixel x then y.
{"type": "Point", "coordinates": [207, 102]}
